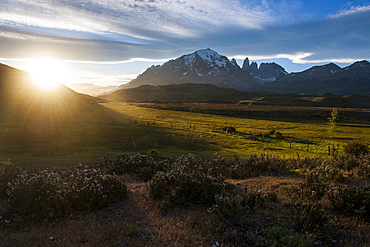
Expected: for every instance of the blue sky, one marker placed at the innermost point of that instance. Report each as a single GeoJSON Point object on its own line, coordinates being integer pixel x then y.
{"type": "Point", "coordinates": [105, 43]}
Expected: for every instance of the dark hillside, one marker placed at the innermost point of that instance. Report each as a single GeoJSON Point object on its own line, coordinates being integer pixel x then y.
{"type": "Point", "coordinates": [206, 93]}
{"type": "Point", "coordinates": [186, 93]}
{"type": "Point", "coordinates": [34, 119]}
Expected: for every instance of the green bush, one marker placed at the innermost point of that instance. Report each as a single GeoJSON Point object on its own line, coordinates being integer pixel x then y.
{"type": "Point", "coordinates": [356, 148]}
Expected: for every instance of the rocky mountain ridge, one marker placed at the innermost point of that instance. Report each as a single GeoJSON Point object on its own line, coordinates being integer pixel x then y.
{"type": "Point", "coordinates": [203, 66]}
{"type": "Point", "coordinates": [207, 66]}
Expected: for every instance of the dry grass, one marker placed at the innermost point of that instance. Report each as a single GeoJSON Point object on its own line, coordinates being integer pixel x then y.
{"type": "Point", "coordinates": [138, 221]}
{"type": "Point", "coordinates": [134, 222]}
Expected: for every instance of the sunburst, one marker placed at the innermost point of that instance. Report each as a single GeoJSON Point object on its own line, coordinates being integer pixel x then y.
{"type": "Point", "coordinates": [48, 74]}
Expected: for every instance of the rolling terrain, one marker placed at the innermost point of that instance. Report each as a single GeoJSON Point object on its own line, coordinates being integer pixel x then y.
{"type": "Point", "coordinates": [206, 93]}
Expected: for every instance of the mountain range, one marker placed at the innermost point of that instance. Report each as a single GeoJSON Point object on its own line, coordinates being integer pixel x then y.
{"type": "Point", "coordinates": [206, 66]}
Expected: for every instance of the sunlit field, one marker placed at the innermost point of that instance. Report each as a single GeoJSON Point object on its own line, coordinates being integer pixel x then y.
{"type": "Point", "coordinates": [286, 137]}
{"type": "Point", "coordinates": [132, 128]}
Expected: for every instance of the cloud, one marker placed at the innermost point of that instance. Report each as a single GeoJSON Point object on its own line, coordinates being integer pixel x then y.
{"type": "Point", "coordinates": [113, 31]}
{"type": "Point", "coordinates": [352, 10]}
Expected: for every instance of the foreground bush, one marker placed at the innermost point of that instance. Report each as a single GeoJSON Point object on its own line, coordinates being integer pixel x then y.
{"type": "Point", "coordinates": [143, 166]}
{"type": "Point", "coordinates": [55, 193]}
{"type": "Point", "coordinates": [8, 173]}
{"type": "Point", "coordinates": [351, 201]}
{"type": "Point", "coordinates": [191, 180]}
{"type": "Point", "coordinates": [356, 148]}
{"type": "Point", "coordinates": [234, 208]}
{"type": "Point", "coordinates": [256, 165]}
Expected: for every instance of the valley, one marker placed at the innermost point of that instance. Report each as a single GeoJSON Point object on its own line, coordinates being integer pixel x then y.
{"type": "Point", "coordinates": [182, 164]}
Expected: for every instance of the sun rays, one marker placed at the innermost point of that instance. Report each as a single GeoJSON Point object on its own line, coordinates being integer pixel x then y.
{"type": "Point", "coordinates": [48, 74]}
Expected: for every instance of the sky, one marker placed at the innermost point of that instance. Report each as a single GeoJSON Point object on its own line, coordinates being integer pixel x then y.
{"type": "Point", "coordinates": [101, 44]}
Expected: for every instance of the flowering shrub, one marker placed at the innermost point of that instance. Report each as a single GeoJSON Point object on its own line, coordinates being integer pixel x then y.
{"type": "Point", "coordinates": [143, 166]}
{"type": "Point", "coordinates": [190, 180]}
{"type": "Point", "coordinates": [58, 192]}
{"type": "Point", "coordinates": [256, 165]}
{"type": "Point", "coordinates": [9, 171]}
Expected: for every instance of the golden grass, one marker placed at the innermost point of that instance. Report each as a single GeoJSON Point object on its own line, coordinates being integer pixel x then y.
{"type": "Point", "coordinates": [206, 130]}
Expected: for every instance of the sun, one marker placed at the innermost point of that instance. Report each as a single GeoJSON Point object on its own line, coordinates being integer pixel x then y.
{"type": "Point", "coordinates": [47, 74]}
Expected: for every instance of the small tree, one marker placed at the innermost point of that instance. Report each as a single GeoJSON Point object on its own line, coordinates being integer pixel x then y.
{"type": "Point", "coordinates": [332, 121]}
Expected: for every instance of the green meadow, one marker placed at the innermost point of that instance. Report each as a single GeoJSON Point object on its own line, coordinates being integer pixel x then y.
{"type": "Point", "coordinates": [285, 137]}
{"type": "Point", "coordinates": [137, 128]}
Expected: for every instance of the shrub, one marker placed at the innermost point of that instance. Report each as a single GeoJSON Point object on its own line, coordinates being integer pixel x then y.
{"type": "Point", "coordinates": [229, 129]}
{"type": "Point", "coordinates": [363, 169]}
{"type": "Point", "coordinates": [233, 209]}
{"type": "Point", "coordinates": [347, 162]}
{"type": "Point", "coordinates": [314, 187]}
{"type": "Point", "coordinates": [143, 166]}
{"type": "Point", "coordinates": [310, 217]}
{"type": "Point", "coordinates": [306, 164]}
{"type": "Point", "coordinates": [58, 192]}
{"type": "Point", "coordinates": [330, 174]}
{"type": "Point", "coordinates": [356, 148]}
{"type": "Point", "coordinates": [351, 201]}
{"type": "Point", "coordinates": [191, 180]}
{"type": "Point", "coordinates": [256, 165]}
{"type": "Point", "coordinates": [8, 173]}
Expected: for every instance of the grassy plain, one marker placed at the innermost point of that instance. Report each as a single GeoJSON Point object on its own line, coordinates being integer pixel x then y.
{"type": "Point", "coordinates": [138, 128]}
{"type": "Point", "coordinates": [301, 137]}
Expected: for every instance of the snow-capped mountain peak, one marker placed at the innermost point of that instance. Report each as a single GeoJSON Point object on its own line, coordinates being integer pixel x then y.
{"type": "Point", "coordinates": [207, 55]}
{"type": "Point", "coordinates": [202, 66]}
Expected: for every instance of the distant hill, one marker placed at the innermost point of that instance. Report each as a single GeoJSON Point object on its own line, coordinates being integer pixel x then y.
{"type": "Point", "coordinates": [188, 92]}
{"type": "Point", "coordinates": [329, 78]}
{"type": "Point", "coordinates": [208, 67]}
{"type": "Point", "coordinates": [206, 93]}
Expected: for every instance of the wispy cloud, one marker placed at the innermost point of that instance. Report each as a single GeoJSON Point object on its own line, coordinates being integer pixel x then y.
{"type": "Point", "coordinates": [352, 10]}
{"type": "Point", "coordinates": [117, 32]}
